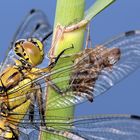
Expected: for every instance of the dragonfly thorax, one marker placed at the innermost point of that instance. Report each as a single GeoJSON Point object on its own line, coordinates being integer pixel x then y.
{"type": "Point", "coordinates": [9, 78]}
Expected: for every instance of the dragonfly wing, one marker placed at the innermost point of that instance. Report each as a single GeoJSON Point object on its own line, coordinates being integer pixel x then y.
{"type": "Point", "coordinates": [106, 128]}
{"type": "Point", "coordinates": [98, 127]}
{"type": "Point", "coordinates": [36, 25]}
{"type": "Point", "coordinates": [30, 25]}
{"type": "Point", "coordinates": [101, 127]}
{"type": "Point", "coordinates": [129, 44]}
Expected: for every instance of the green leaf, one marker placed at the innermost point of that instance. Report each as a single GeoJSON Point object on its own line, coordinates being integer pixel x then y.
{"type": "Point", "coordinates": [96, 8]}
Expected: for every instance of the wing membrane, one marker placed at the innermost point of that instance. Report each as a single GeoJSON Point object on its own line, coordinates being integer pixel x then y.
{"type": "Point", "coordinates": [108, 127]}
{"type": "Point", "coordinates": [129, 43]}
{"type": "Point", "coordinates": [98, 127]}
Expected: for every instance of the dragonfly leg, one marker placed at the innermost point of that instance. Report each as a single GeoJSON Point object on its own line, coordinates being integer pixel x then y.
{"type": "Point", "coordinates": [4, 109]}
{"type": "Point", "coordinates": [59, 55]}
{"type": "Point", "coordinates": [8, 134]}
{"type": "Point", "coordinates": [55, 87]}
{"type": "Point", "coordinates": [8, 130]}
{"type": "Point", "coordinates": [31, 107]}
{"type": "Point", "coordinates": [14, 133]}
{"type": "Point", "coordinates": [36, 95]}
{"type": "Point", "coordinates": [89, 95]}
{"type": "Point", "coordinates": [40, 103]}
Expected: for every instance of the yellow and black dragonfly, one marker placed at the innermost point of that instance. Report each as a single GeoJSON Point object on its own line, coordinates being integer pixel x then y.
{"type": "Point", "coordinates": [23, 85]}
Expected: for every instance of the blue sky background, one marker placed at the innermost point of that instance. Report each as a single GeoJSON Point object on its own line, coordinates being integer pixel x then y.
{"type": "Point", "coordinates": [122, 16]}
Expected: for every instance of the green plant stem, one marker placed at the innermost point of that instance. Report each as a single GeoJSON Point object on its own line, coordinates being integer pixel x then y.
{"type": "Point", "coordinates": [67, 12]}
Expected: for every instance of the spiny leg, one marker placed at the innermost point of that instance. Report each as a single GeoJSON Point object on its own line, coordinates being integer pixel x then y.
{"type": "Point", "coordinates": [59, 55]}
{"type": "Point", "coordinates": [15, 135]}
{"type": "Point", "coordinates": [89, 95]}
{"type": "Point", "coordinates": [40, 103]}
{"type": "Point", "coordinates": [4, 109]}
{"type": "Point", "coordinates": [55, 87]}
{"type": "Point", "coordinates": [31, 107]}
{"type": "Point", "coordinates": [36, 96]}
{"type": "Point", "coordinates": [8, 131]}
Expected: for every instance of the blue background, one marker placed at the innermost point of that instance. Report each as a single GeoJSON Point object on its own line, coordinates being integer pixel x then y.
{"type": "Point", "coordinates": [122, 16]}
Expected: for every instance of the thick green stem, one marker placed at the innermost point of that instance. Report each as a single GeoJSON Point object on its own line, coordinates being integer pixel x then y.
{"type": "Point", "coordinates": [67, 12]}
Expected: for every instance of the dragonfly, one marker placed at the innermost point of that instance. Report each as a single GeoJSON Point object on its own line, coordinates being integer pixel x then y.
{"type": "Point", "coordinates": [15, 123]}
{"type": "Point", "coordinates": [19, 68]}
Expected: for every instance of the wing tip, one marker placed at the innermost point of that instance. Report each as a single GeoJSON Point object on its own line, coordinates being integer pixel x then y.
{"type": "Point", "coordinates": [129, 33]}
{"type": "Point", "coordinates": [136, 117]}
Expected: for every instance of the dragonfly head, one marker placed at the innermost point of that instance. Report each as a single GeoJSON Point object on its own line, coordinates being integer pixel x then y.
{"type": "Point", "coordinates": [30, 50]}
{"type": "Point", "coordinates": [113, 56]}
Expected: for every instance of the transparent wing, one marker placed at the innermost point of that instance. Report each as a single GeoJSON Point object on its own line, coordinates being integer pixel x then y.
{"type": "Point", "coordinates": [129, 44]}
{"type": "Point", "coordinates": [104, 127]}
{"type": "Point", "coordinates": [36, 25]}
{"type": "Point", "coordinates": [98, 127]}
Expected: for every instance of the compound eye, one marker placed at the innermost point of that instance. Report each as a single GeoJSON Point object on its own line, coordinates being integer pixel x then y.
{"type": "Point", "coordinates": [18, 47]}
